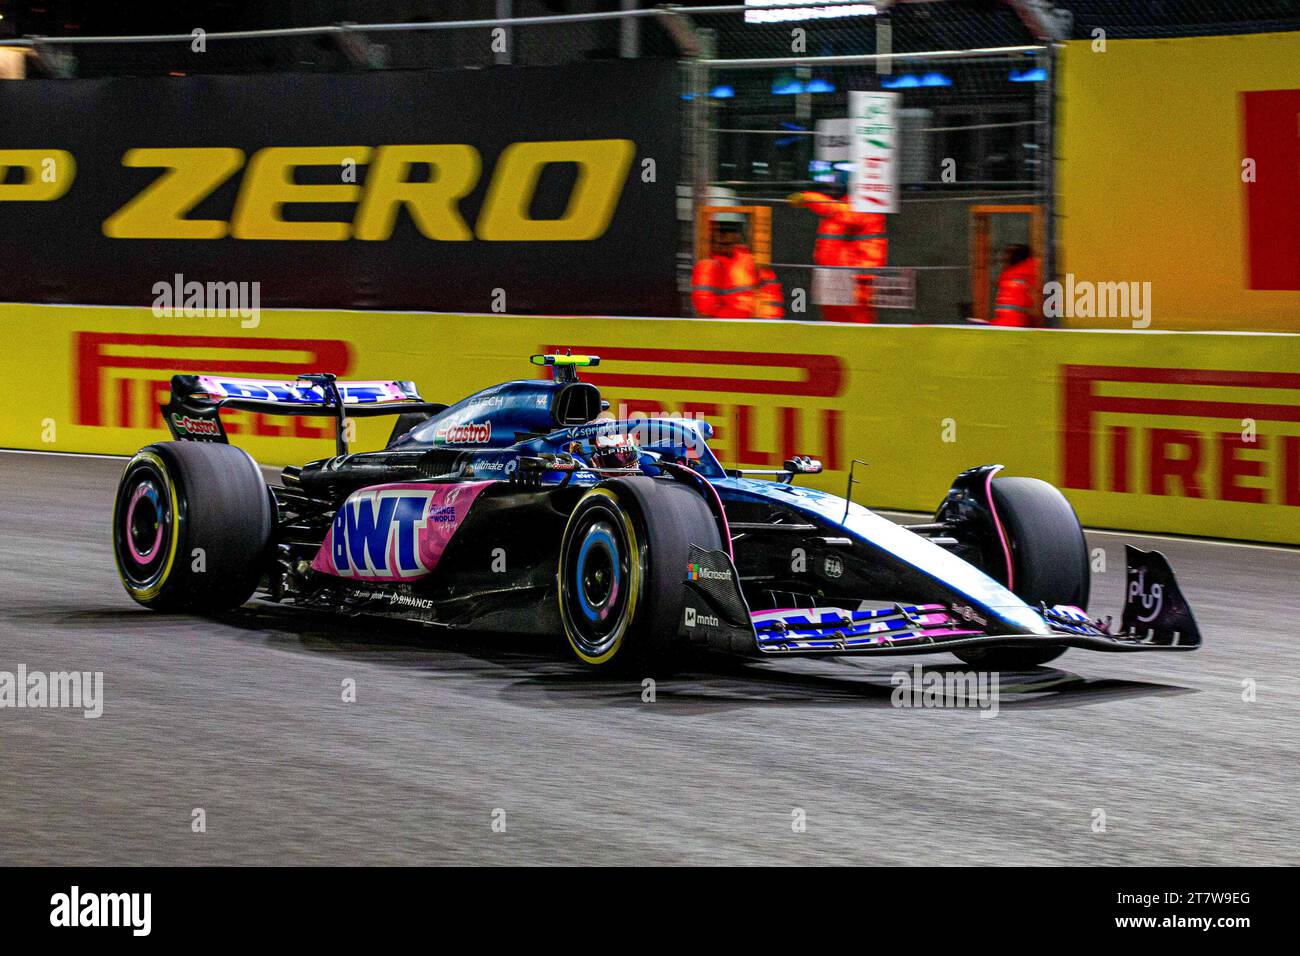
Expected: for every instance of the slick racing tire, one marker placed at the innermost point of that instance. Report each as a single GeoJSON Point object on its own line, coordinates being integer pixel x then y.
{"type": "Point", "coordinates": [1049, 562]}
{"type": "Point", "coordinates": [191, 526]}
{"type": "Point", "coordinates": [623, 560]}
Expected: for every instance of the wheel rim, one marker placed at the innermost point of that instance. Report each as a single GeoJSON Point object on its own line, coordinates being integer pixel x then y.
{"type": "Point", "coordinates": [599, 572]}
{"type": "Point", "coordinates": [144, 522]}
{"type": "Point", "coordinates": [144, 525]}
{"type": "Point", "coordinates": [598, 577]}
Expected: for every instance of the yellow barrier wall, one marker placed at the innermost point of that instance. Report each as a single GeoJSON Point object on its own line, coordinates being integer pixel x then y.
{"type": "Point", "coordinates": [1153, 135]}
{"type": "Point", "coordinates": [1195, 433]}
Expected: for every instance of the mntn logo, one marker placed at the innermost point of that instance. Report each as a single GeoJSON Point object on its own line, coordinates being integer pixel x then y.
{"type": "Point", "coordinates": [694, 618]}
{"type": "Point", "coordinates": [376, 532]}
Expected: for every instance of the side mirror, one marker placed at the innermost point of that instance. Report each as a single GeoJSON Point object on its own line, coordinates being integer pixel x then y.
{"type": "Point", "coordinates": [803, 465]}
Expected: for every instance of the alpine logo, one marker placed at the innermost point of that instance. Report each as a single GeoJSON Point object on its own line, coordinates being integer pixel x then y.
{"type": "Point", "coordinates": [195, 426]}
{"type": "Point", "coordinates": [698, 572]}
{"type": "Point", "coordinates": [468, 433]}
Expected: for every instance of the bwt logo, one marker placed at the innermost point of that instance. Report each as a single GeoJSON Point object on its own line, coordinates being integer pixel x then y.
{"type": "Point", "coordinates": [123, 377]}
{"type": "Point", "coordinates": [744, 432]}
{"type": "Point", "coordinates": [1129, 453]}
{"type": "Point", "coordinates": [376, 533]}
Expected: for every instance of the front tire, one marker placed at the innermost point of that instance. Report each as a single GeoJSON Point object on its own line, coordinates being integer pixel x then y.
{"type": "Point", "coordinates": [623, 559]}
{"type": "Point", "coordinates": [1049, 562]}
{"type": "Point", "coordinates": [191, 526]}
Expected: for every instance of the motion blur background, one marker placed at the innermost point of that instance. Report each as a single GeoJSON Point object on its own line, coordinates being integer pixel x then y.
{"type": "Point", "coordinates": [1144, 150]}
{"type": "Point", "coordinates": [1132, 189]}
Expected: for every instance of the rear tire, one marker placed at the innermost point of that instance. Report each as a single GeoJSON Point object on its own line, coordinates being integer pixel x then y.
{"type": "Point", "coordinates": [623, 560]}
{"type": "Point", "coordinates": [1049, 562]}
{"type": "Point", "coordinates": [191, 526]}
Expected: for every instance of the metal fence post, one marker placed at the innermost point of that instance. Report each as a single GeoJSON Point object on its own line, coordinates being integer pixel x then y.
{"type": "Point", "coordinates": [504, 11]}
{"type": "Point", "coordinates": [1047, 162]}
{"type": "Point", "coordinates": [629, 32]}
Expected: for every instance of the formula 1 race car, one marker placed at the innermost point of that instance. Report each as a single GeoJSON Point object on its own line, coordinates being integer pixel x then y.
{"type": "Point", "coordinates": [520, 509]}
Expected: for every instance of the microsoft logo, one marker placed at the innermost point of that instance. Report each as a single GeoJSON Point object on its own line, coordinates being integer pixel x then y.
{"type": "Point", "coordinates": [698, 572]}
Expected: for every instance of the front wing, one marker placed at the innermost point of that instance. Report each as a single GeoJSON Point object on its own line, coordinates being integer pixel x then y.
{"type": "Point", "coordinates": [1155, 618]}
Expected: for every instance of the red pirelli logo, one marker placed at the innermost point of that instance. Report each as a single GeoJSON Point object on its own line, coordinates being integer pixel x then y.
{"type": "Point", "coordinates": [1110, 413]}
{"type": "Point", "coordinates": [1271, 132]}
{"type": "Point", "coordinates": [123, 377]}
{"type": "Point", "coordinates": [739, 420]}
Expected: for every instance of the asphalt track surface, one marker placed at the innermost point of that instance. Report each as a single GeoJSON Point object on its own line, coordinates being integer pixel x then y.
{"type": "Point", "coordinates": [244, 718]}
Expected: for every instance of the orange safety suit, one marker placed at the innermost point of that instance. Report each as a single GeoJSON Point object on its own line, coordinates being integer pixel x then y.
{"type": "Point", "coordinates": [848, 238]}
{"type": "Point", "coordinates": [771, 303]}
{"type": "Point", "coordinates": [726, 287]}
{"type": "Point", "coordinates": [1017, 300]}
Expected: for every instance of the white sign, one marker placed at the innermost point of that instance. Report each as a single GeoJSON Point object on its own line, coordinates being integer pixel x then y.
{"type": "Point", "coordinates": [873, 181]}
{"type": "Point", "coordinates": [833, 140]}
{"type": "Point", "coordinates": [789, 14]}
{"type": "Point", "coordinates": [893, 287]}
{"type": "Point", "coordinates": [835, 287]}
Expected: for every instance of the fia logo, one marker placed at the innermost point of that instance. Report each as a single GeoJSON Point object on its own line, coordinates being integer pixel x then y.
{"type": "Point", "coordinates": [1152, 601]}
{"type": "Point", "coordinates": [833, 566]}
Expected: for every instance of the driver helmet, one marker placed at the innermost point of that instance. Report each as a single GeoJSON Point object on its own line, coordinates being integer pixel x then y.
{"type": "Point", "coordinates": [616, 450]}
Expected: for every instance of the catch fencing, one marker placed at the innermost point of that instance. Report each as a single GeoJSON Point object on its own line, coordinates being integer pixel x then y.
{"type": "Point", "coordinates": [974, 87]}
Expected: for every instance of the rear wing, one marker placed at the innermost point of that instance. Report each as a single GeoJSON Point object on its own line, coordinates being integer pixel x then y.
{"type": "Point", "coordinates": [193, 411]}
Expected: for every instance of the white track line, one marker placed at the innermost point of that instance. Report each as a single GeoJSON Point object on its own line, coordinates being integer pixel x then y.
{"type": "Point", "coordinates": [883, 511]}
{"type": "Point", "coordinates": [61, 454]}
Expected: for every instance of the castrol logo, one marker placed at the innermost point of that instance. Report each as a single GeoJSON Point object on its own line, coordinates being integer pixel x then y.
{"type": "Point", "coordinates": [195, 426]}
{"type": "Point", "coordinates": [470, 433]}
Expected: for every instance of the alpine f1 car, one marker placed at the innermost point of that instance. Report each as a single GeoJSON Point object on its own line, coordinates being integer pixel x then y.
{"type": "Point", "coordinates": [521, 509]}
